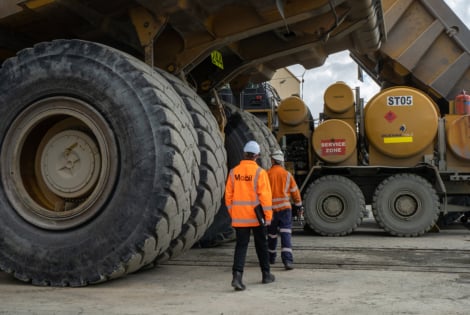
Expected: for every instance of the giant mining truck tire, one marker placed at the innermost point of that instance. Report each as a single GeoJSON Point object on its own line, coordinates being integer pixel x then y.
{"type": "Point", "coordinates": [213, 170]}
{"type": "Point", "coordinates": [99, 164]}
{"type": "Point", "coordinates": [241, 127]}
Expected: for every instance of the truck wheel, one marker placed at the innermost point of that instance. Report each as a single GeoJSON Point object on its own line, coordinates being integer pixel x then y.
{"type": "Point", "coordinates": [406, 205]}
{"type": "Point", "coordinates": [334, 206]}
{"type": "Point", "coordinates": [213, 169]}
{"type": "Point", "coordinates": [264, 137]}
{"type": "Point", "coordinates": [241, 128]}
{"type": "Point", "coordinates": [97, 161]}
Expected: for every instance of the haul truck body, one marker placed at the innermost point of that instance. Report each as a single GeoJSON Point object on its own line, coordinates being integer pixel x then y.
{"type": "Point", "coordinates": [113, 147]}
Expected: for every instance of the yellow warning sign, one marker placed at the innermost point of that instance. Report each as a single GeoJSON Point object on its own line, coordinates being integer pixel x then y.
{"type": "Point", "coordinates": [34, 4]}
{"type": "Point", "coordinates": [398, 139]}
{"type": "Point", "coordinates": [216, 58]}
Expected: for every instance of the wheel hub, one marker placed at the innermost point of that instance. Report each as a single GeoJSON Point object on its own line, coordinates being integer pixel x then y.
{"type": "Point", "coordinates": [333, 206]}
{"type": "Point", "coordinates": [59, 158]}
{"type": "Point", "coordinates": [406, 205]}
{"type": "Point", "coordinates": [70, 164]}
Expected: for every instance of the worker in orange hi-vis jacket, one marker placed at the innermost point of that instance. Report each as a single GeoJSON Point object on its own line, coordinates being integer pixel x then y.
{"type": "Point", "coordinates": [248, 187]}
{"type": "Point", "coordinates": [283, 188]}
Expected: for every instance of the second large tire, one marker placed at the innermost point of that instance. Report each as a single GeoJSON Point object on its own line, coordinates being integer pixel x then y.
{"type": "Point", "coordinates": [241, 127]}
{"type": "Point", "coordinates": [212, 170]}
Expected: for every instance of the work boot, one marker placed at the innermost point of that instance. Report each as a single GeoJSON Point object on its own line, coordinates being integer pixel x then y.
{"type": "Point", "coordinates": [268, 277]}
{"type": "Point", "coordinates": [288, 265]}
{"type": "Point", "coordinates": [237, 281]}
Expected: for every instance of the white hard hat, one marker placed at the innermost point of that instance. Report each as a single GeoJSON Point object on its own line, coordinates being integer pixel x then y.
{"type": "Point", "coordinates": [277, 155]}
{"type": "Point", "coordinates": [251, 147]}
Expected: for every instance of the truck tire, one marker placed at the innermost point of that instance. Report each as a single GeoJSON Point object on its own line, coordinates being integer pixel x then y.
{"type": "Point", "coordinates": [241, 127]}
{"type": "Point", "coordinates": [334, 206]}
{"type": "Point", "coordinates": [213, 170]}
{"type": "Point", "coordinates": [98, 159]}
{"type": "Point", "coordinates": [405, 205]}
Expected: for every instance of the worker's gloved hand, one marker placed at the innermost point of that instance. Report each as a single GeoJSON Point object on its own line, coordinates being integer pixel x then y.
{"type": "Point", "coordinates": [298, 213]}
{"type": "Point", "coordinates": [297, 210]}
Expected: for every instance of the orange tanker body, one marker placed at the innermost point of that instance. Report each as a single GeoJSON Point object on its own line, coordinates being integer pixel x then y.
{"type": "Point", "coordinates": [398, 154]}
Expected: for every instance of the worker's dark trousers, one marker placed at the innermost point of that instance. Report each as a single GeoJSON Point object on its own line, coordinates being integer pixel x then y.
{"type": "Point", "coordinates": [241, 247]}
{"type": "Point", "coordinates": [282, 224]}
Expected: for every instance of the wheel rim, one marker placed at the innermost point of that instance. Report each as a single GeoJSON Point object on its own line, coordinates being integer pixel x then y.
{"type": "Point", "coordinates": [405, 205]}
{"type": "Point", "coordinates": [331, 207]}
{"type": "Point", "coordinates": [59, 158]}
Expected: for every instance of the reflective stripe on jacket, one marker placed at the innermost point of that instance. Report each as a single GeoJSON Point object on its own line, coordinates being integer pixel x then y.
{"type": "Point", "coordinates": [283, 187]}
{"type": "Point", "coordinates": [247, 186]}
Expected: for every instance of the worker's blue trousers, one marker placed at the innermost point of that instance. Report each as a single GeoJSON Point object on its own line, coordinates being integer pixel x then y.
{"type": "Point", "coordinates": [281, 224]}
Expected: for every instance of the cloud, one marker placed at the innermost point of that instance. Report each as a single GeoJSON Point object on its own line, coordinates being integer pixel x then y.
{"type": "Point", "coordinates": [340, 67]}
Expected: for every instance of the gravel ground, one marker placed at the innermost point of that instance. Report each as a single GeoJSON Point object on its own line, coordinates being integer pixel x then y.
{"type": "Point", "coordinates": [176, 288]}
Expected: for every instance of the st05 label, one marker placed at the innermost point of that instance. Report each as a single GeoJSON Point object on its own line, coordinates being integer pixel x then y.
{"type": "Point", "coordinates": [400, 100]}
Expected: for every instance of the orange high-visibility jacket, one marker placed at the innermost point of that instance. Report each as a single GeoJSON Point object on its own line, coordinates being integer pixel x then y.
{"type": "Point", "coordinates": [283, 186]}
{"type": "Point", "coordinates": [247, 186]}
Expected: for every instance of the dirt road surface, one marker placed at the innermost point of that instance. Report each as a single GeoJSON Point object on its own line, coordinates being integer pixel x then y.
{"type": "Point", "coordinates": [367, 272]}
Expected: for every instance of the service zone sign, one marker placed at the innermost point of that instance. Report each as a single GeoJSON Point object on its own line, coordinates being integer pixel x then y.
{"type": "Point", "coordinates": [333, 147]}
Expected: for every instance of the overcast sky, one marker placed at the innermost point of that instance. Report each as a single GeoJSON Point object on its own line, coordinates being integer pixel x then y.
{"type": "Point", "coordinates": [340, 67]}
